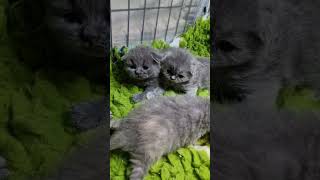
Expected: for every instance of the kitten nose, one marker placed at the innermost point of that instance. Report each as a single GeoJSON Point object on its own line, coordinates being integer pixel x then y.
{"type": "Point", "coordinates": [173, 77]}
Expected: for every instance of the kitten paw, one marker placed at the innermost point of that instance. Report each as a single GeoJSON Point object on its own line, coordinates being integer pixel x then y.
{"type": "Point", "coordinates": [137, 97]}
{"type": "Point", "coordinates": [156, 92]}
{"type": "Point", "coordinates": [150, 95]}
{"type": "Point", "coordinates": [4, 172]}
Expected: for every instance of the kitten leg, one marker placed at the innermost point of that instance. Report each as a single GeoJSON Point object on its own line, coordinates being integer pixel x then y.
{"type": "Point", "coordinates": [154, 93]}
{"type": "Point", "coordinates": [140, 165]}
{"type": "Point", "coordinates": [114, 124]}
{"type": "Point", "coordinates": [192, 91]}
{"type": "Point", "coordinates": [149, 93]}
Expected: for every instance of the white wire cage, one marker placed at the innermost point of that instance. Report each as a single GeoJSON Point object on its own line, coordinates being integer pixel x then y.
{"type": "Point", "coordinates": [142, 21]}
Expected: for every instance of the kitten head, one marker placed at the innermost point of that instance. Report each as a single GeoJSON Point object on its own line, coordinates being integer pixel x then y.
{"type": "Point", "coordinates": [142, 63]}
{"type": "Point", "coordinates": [78, 26]}
{"type": "Point", "coordinates": [238, 47]}
{"type": "Point", "coordinates": [177, 66]}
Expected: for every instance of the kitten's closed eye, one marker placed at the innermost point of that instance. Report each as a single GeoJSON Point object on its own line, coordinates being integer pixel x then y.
{"type": "Point", "coordinates": [133, 66]}
{"type": "Point", "coordinates": [181, 76]}
{"type": "Point", "coordinates": [169, 71]}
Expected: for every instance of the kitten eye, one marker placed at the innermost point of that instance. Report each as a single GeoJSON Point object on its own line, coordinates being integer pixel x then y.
{"type": "Point", "coordinates": [73, 17]}
{"type": "Point", "coordinates": [226, 46]}
{"type": "Point", "coordinates": [145, 67]}
{"type": "Point", "coordinates": [133, 66]}
{"type": "Point", "coordinates": [180, 76]}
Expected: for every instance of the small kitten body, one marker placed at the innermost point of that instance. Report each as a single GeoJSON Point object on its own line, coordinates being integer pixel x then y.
{"type": "Point", "coordinates": [183, 72]}
{"type": "Point", "coordinates": [147, 133]}
{"type": "Point", "coordinates": [142, 65]}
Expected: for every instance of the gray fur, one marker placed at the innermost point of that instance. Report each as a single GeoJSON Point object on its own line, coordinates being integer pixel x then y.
{"type": "Point", "coordinates": [158, 127]}
{"type": "Point", "coordinates": [183, 72]}
{"type": "Point", "coordinates": [142, 64]}
{"type": "Point", "coordinates": [78, 26]}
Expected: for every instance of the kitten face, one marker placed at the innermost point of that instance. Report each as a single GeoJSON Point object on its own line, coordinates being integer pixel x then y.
{"type": "Point", "coordinates": [142, 63]}
{"type": "Point", "coordinates": [176, 67]}
{"type": "Point", "coordinates": [237, 45]}
{"type": "Point", "coordinates": [78, 26]}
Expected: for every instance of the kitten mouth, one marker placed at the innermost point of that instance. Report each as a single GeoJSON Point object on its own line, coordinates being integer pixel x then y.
{"type": "Point", "coordinates": [141, 78]}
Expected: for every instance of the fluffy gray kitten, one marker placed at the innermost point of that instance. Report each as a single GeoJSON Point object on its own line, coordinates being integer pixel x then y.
{"type": "Point", "coordinates": [148, 133]}
{"type": "Point", "coordinates": [183, 72]}
{"type": "Point", "coordinates": [142, 65]}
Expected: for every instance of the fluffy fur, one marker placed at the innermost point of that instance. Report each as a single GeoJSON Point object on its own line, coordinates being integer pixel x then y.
{"type": "Point", "coordinates": [183, 72]}
{"type": "Point", "coordinates": [148, 133]}
{"type": "Point", "coordinates": [142, 65]}
{"type": "Point", "coordinates": [260, 41]}
{"type": "Point", "coordinates": [63, 35]}
{"type": "Point", "coordinates": [80, 26]}
{"type": "Point", "coordinates": [253, 143]}
{"type": "Point", "coordinates": [263, 46]}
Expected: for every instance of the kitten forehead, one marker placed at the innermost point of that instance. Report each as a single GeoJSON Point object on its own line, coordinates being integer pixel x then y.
{"type": "Point", "coordinates": [178, 57]}
{"type": "Point", "coordinates": [140, 54]}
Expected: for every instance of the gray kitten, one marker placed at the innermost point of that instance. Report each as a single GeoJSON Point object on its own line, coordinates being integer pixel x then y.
{"type": "Point", "coordinates": [142, 65]}
{"type": "Point", "coordinates": [148, 133]}
{"type": "Point", "coordinates": [183, 72]}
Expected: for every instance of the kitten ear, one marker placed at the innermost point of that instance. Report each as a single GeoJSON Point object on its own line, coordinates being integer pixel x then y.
{"type": "Point", "coordinates": [157, 56]}
{"type": "Point", "coordinates": [160, 56]}
{"type": "Point", "coordinates": [124, 57]}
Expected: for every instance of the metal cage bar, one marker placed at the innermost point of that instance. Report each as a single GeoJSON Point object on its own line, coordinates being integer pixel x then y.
{"type": "Point", "coordinates": [165, 36]}
{"type": "Point", "coordinates": [155, 29]}
{"type": "Point", "coordinates": [144, 16]}
{"type": "Point", "coordinates": [187, 16]}
{"type": "Point", "coordinates": [128, 29]}
{"type": "Point", "coordinates": [177, 25]}
{"type": "Point", "coordinates": [150, 8]}
{"type": "Point", "coordinates": [192, 13]}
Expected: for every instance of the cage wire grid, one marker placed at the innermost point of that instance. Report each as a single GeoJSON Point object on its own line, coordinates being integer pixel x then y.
{"type": "Point", "coordinates": [143, 21]}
